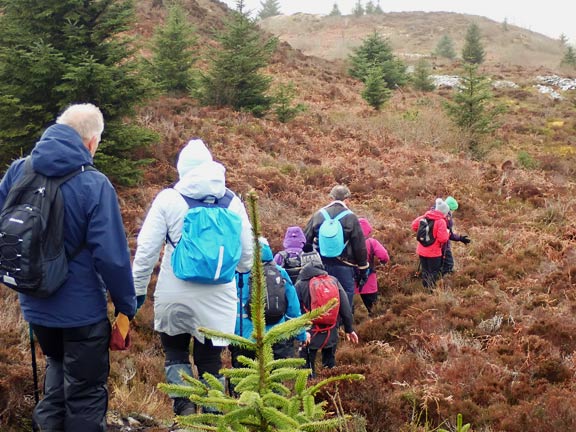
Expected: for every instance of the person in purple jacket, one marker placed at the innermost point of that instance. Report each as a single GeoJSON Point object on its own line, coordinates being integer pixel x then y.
{"type": "Point", "coordinates": [72, 324]}
{"type": "Point", "coordinates": [448, 261]}
{"type": "Point", "coordinates": [289, 258]}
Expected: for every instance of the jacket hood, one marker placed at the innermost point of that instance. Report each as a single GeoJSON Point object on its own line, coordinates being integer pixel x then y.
{"type": "Point", "coordinates": [310, 270]}
{"type": "Point", "coordinates": [266, 252]}
{"type": "Point", "coordinates": [366, 227]}
{"type": "Point", "coordinates": [59, 151]}
{"type": "Point", "coordinates": [206, 179]}
{"type": "Point", "coordinates": [294, 239]}
{"type": "Point", "coordinates": [435, 215]}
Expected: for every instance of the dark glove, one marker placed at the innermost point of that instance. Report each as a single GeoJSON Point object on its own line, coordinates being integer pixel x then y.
{"type": "Point", "coordinates": [140, 301]}
{"type": "Point", "coordinates": [362, 278]}
{"type": "Point", "coordinates": [464, 239]}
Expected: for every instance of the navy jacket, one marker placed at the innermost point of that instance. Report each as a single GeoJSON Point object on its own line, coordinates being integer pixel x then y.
{"type": "Point", "coordinates": [91, 217]}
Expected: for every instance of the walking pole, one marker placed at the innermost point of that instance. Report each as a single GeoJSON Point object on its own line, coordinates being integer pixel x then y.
{"type": "Point", "coordinates": [34, 366]}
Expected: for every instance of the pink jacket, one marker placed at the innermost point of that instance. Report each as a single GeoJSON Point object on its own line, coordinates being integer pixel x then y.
{"type": "Point", "coordinates": [374, 250]}
{"type": "Point", "coordinates": [440, 233]}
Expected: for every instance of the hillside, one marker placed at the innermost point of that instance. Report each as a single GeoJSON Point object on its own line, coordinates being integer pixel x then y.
{"type": "Point", "coordinates": [494, 341]}
{"type": "Point", "coordinates": [413, 34]}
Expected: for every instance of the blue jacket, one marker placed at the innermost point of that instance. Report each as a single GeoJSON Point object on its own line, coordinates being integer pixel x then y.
{"type": "Point", "coordinates": [91, 217]}
{"type": "Point", "coordinates": [244, 325]}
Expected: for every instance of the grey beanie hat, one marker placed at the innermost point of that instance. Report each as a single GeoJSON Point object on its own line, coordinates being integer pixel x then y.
{"type": "Point", "coordinates": [441, 206]}
{"type": "Point", "coordinates": [340, 192]}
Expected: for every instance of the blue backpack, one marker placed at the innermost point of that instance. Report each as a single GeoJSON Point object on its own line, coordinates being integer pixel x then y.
{"type": "Point", "coordinates": [331, 235]}
{"type": "Point", "coordinates": [210, 247]}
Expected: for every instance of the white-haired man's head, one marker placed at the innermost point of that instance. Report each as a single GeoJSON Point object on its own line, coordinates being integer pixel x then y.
{"type": "Point", "coordinates": [87, 120]}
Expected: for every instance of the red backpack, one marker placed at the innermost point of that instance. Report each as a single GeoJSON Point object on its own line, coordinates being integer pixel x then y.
{"type": "Point", "coordinates": [324, 288]}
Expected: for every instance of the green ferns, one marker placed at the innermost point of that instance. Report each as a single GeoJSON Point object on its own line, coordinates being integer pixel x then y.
{"type": "Point", "coordinates": [270, 395]}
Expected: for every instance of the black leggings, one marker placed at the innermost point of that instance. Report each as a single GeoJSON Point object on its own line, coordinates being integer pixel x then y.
{"type": "Point", "coordinates": [206, 355]}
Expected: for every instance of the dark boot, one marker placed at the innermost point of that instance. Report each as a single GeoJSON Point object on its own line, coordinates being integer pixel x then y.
{"type": "Point", "coordinates": [181, 406]}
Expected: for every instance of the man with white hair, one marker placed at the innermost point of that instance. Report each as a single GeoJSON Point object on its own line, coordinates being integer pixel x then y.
{"type": "Point", "coordinates": [72, 325]}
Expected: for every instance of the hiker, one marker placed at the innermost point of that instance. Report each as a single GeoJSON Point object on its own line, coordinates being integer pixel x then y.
{"type": "Point", "coordinates": [448, 262]}
{"type": "Point", "coordinates": [290, 309]}
{"type": "Point", "coordinates": [71, 325]}
{"type": "Point", "coordinates": [344, 253]}
{"type": "Point", "coordinates": [182, 306]}
{"type": "Point", "coordinates": [324, 336]}
{"type": "Point", "coordinates": [289, 258]}
{"type": "Point", "coordinates": [430, 250]}
{"type": "Point", "coordinates": [369, 291]}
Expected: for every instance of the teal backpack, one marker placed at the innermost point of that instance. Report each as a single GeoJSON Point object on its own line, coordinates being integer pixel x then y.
{"type": "Point", "coordinates": [331, 235]}
{"type": "Point", "coordinates": [210, 247]}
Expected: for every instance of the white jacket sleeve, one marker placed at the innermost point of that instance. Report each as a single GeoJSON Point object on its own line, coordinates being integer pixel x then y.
{"type": "Point", "coordinates": [245, 264]}
{"type": "Point", "coordinates": [150, 242]}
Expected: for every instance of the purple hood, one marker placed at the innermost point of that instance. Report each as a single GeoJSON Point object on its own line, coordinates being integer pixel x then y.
{"type": "Point", "coordinates": [294, 239]}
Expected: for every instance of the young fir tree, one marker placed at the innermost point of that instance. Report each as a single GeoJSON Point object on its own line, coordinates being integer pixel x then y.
{"type": "Point", "coordinates": [172, 55]}
{"type": "Point", "coordinates": [375, 91]}
{"type": "Point", "coordinates": [370, 8]}
{"type": "Point", "coordinates": [569, 58]}
{"type": "Point", "coordinates": [473, 51]}
{"type": "Point", "coordinates": [563, 39]}
{"type": "Point", "coordinates": [272, 395]}
{"type": "Point", "coordinates": [421, 79]}
{"type": "Point", "coordinates": [234, 78]}
{"type": "Point", "coordinates": [376, 51]}
{"type": "Point", "coordinates": [54, 53]}
{"type": "Point", "coordinates": [335, 10]}
{"type": "Point", "coordinates": [270, 8]}
{"type": "Point", "coordinates": [473, 108]}
{"type": "Point", "coordinates": [283, 107]}
{"type": "Point", "coordinates": [445, 48]}
{"type": "Point", "coordinates": [358, 10]}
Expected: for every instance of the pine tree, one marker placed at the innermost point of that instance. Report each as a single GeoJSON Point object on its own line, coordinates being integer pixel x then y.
{"type": "Point", "coordinates": [473, 52]}
{"type": "Point", "coordinates": [270, 8]}
{"type": "Point", "coordinates": [563, 39]}
{"type": "Point", "coordinates": [273, 395]}
{"type": "Point", "coordinates": [283, 107]}
{"type": "Point", "coordinates": [234, 77]}
{"type": "Point", "coordinates": [378, 10]}
{"type": "Point", "coordinates": [172, 56]}
{"type": "Point", "coordinates": [376, 51]}
{"type": "Point", "coordinates": [335, 11]}
{"type": "Point", "coordinates": [569, 58]}
{"type": "Point", "coordinates": [375, 91]}
{"type": "Point", "coordinates": [505, 25]}
{"type": "Point", "coordinates": [358, 10]}
{"type": "Point", "coordinates": [58, 52]}
{"type": "Point", "coordinates": [473, 109]}
{"type": "Point", "coordinates": [421, 78]}
{"type": "Point", "coordinates": [370, 8]}
{"type": "Point", "coordinates": [445, 48]}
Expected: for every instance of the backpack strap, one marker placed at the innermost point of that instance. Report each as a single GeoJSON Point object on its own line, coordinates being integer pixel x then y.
{"type": "Point", "coordinates": [337, 217]}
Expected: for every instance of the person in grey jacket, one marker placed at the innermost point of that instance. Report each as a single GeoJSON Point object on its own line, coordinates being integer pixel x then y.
{"type": "Point", "coordinates": [181, 307]}
{"type": "Point", "coordinates": [353, 262]}
{"type": "Point", "coordinates": [72, 324]}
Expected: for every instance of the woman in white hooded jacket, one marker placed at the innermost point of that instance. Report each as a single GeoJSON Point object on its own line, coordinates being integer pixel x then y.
{"type": "Point", "coordinates": [181, 307]}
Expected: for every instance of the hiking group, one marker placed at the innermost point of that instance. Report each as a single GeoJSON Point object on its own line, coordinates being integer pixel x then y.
{"type": "Point", "coordinates": [201, 230]}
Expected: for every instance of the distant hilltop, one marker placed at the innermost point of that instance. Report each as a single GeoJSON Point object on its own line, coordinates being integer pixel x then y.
{"type": "Point", "coordinates": [413, 34]}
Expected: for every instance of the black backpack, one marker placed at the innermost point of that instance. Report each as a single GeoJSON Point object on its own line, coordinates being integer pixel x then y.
{"type": "Point", "coordinates": [275, 295]}
{"type": "Point", "coordinates": [425, 233]}
{"type": "Point", "coordinates": [292, 265]}
{"type": "Point", "coordinates": [33, 259]}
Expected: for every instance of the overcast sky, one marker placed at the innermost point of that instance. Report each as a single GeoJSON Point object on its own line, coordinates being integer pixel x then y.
{"type": "Point", "coordinates": [551, 17]}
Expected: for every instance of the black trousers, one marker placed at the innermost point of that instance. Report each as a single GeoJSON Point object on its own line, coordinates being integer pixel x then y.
{"type": "Point", "coordinates": [369, 300]}
{"type": "Point", "coordinates": [431, 271]}
{"type": "Point", "coordinates": [177, 351]}
{"type": "Point", "coordinates": [328, 358]}
{"type": "Point", "coordinates": [77, 368]}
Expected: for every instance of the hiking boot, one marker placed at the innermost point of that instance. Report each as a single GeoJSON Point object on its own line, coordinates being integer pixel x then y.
{"type": "Point", "coordinates": [183, 406]}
